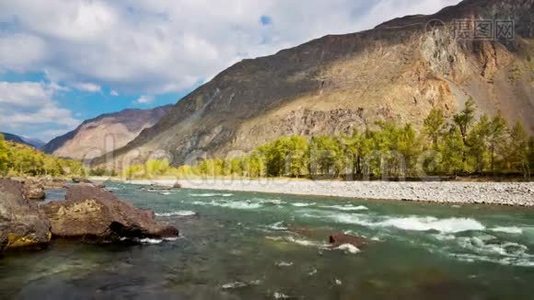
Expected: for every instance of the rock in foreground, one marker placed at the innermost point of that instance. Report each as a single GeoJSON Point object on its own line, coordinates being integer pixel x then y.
{"type": "Point", "coordinates": [93, 214]}
{"type": "Point", "coordinates": [339, 239]}
{"type": "Point", "coordinates": [21, 222]}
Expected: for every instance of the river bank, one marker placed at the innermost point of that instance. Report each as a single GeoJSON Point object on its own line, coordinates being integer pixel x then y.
{"type": "Point", "coordinates": [497, 193]}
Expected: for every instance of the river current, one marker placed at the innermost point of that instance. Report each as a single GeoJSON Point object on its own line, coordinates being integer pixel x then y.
{"type": "Point", "coordinates": [237, 245]}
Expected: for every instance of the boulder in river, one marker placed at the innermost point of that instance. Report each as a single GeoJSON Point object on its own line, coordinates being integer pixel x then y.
{"type": "Point", "coordinates": [22, 224]}
{"type": "Point", "coordinates": [338, 239]}
{"type": "Point", "coordinates": [34, 190]}
{"type": "Point", "coordinates": [94, 214]}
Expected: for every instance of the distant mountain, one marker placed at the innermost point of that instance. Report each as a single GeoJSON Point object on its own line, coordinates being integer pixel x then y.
{"type": "Point", "coordinates": [36, 143]}
{"type": "Point", "coordinates": [104, 133]}
{"type": "Point", "coordinates": [397, 71]}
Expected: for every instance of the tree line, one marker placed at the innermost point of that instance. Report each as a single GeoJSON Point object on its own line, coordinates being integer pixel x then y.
{"type": "Point", "coordinates": [446, 146]}
{"type": "Point", "coordinates": [22, 160]}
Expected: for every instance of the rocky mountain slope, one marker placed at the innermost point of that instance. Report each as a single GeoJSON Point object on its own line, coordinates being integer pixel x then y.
{"type": "Point", "coordinates": [35, 143]}
{"type": "Point", "coordinates": [104, 133]}
{"type": "Point", "coordinates": [398, 71]}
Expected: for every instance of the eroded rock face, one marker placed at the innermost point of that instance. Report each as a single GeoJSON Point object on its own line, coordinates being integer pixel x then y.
{"type": "Point", "coordinates": [93, 214]}
{"type": "Point", "coordinates": [21, 222]}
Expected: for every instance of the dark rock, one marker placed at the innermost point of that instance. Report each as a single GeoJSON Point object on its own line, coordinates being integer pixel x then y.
{"type": "Point", "coordinates": [177, 185]}
{"type": "Point", "coordinates": [22, 224]}
{"type": "Point", "coordinates": [81, 180]}
{"type": "Point", "coordinates": [94, 214]}
{"type": "Point", "coordinates": [339, 239]}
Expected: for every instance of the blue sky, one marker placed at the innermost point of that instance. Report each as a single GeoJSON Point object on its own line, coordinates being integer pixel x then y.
{"type": "Point", "coordinates": [64, 61]}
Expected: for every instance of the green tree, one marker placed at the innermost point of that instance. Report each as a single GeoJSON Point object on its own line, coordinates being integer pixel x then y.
{"type": "Point", "coordinates": [463, 120]}
{"type": "Point", "coordinates": [434, 126]}
{"type": "Point", "coordinates": [298, 149]}
{"type": "Point", "coordinates": [452, 151]}
{"type": "Point", "coordinates": [409, 146]}
{"type": "Point", "coordinates": [156, 167]}
{"type": "Point", "coordinates": [518, 149]}
{"type": "Point", "coordinates": [326, 156]}
{"type": "Point", "coordinates": [496, 140]}
{"type": "Point", "coordinates": [477, 142]}
{"type": "Point", "coordinates": [135, 171]}
{"type": "Point", "coordinates": [254, 165]}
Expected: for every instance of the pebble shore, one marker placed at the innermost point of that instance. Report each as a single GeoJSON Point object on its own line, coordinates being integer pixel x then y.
{"type": "Point", "coordinates": [499, 193]}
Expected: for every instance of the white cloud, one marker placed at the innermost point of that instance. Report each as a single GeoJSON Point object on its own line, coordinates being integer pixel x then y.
{"type": "Point", "coordinates": [144, 99]}
{"type": "Point", "coordinates": [114, 93]}
{"type": "Point", "coordinates": [21, 52]}
{"type": "Point", "coordinates": [29, 107]}
{"type": "Point", "coordinates": [87, 87]}
{"type": "Point", "coordinates": [157, 46]}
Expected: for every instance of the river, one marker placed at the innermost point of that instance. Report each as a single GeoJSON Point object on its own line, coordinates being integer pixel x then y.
{"type": "Point", "coordinates": [237, 245]}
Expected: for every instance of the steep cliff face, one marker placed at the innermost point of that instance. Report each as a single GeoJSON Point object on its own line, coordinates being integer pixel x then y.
{"type": "Point", "coordinates": [398, 71]}
{"type": "Point", "coordinates": [104, 133]}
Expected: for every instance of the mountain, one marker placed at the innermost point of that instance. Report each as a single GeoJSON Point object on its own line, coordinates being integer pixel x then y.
{"type": "Point", "coordinates": [104, 133]}
{"type": "Point", "coordinates": [35, 143]}
{"type": "Point", "coordinates": [397, 71]}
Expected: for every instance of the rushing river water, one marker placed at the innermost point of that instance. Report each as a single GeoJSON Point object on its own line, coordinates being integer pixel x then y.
{"type": "Point", "coordinates": [262, 246]}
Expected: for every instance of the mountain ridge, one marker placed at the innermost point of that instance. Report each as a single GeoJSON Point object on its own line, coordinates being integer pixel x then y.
{"type": "Point", "coordinates": [397, 71]}
{"type": "Point", "coordinates": [120, 127]}
{"type": "Point", "coordinates": [35, 143]}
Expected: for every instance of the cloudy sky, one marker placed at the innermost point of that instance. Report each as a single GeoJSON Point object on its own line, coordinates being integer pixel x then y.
{"type": "Point", "coordinates": [63, 61]}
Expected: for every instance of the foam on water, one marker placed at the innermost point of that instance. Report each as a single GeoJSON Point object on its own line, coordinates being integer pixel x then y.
{"type": "Point", "coordinates": [151, 241]}
{"type": "Point", "coordinates": [283, 264]}
{"type": "Point", "coordinates": [511, 230]}
{"type": "Point", "coordinates": [239, 284]}
{"type": "Point", "coordinates": [180, 213]}
{"type": "Point", "coordinates": [278, 226]}
{"type": "Point", "coordinates": [451, 225]}
{"type": "Point", "coordinates": [488, 245]}
{"type": "Point", "coordinates": [349, 248]}
{"type": "Point", "coordinates": [279, 295]}
{"type": "Point", "coordinates": [231, 204]}
{"type": "Point", "coordinates": [506, 261]}
{"type": "Point", "coordinates": [413, 223]}
{"type": "Point", "coordinates": [302, 204]}
{"type": "Point", "coordinates": [298, 241]}
{"type": "Point", "coordinates": [347, 207]}
{"type": "Point", "coordinates": [269, 201]}
{"type": "Point", "coordinates": [212, 195]}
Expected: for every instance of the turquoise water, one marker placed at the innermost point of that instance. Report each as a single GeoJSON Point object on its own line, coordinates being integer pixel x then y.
{"type": "Point", "coordinates": [266, 246]}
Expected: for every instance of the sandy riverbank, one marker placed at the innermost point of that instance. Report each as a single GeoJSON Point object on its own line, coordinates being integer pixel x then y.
{"type": "Point", "coordinates": [501, 193]}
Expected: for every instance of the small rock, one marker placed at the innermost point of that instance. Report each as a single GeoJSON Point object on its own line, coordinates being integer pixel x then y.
{"type": "Point", "coordinates": [339, 239]}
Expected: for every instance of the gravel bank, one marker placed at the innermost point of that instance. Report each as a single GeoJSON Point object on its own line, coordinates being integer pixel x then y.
{"type": "Point", "coordinates": [501, 193]}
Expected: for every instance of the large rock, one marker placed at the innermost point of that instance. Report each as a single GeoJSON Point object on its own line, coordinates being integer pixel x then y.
{"type": "Point", "coordinates": [94, 214]}
{"type": "Point", "coordinates": [21, 222]}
